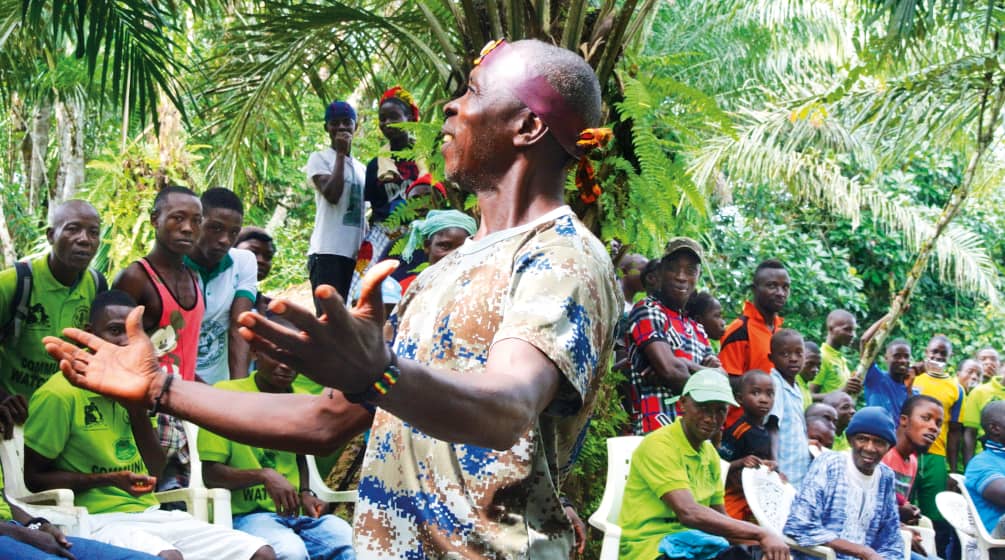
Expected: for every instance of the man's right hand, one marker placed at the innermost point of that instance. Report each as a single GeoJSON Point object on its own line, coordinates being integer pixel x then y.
{"type": "Point", "coordinates": [41, 540]}
{"type": "Point", "coordinates": [283, 494]}
{"type": "Point", "coordinates": [909, 514]}
{"type": "Point", "coordinates": [125, 372]}
{"type": "Point", "coordinates": [773, 546]}
{"type": "Point", "coordinates": [134, 484]}
{"type": "Point", "coordinates": [853, 386]}
{"type": "Point", "coordinates": [13, 410]}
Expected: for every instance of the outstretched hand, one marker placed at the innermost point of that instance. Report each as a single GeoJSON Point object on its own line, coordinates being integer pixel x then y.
{"type": "Point", "coordinates": [342, 349]}
{"type": "Point", "coordinates": [121, 372]}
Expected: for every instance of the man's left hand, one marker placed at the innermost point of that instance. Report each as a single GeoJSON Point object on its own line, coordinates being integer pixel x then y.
{"type": "Point", "coordinates": [313, 507]}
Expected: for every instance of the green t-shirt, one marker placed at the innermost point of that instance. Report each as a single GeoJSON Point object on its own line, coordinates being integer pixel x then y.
{"type": "Point", "coordinates": [304, 384]}
{"type": "Point", "coordinates": [983, 394]}
{"type": "Point", "coordinates": [24, 363]}
{"type": "Point", "coordinates": [804, 388]}
{"type": "Point", "coordinates": [87, 433]}
{"type": "Point", "coordinates": [5, 512]}
{"type": "Point", "coordinates": [841, 442]}
{"type": "Point", "coordinates": [834, 372]}
{"type": "Point", "coordinates": [245, 457]}
{"type": "Point", "coordinates": [664, 462]}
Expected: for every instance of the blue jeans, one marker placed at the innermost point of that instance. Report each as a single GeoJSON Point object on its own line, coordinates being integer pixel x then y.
{"type": "Point", "coordinates": [300, 538]}
{"type": "Point", "coordinates": [83, 549]}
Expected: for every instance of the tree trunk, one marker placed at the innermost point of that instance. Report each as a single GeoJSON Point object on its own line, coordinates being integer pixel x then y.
{"type": "Point", "coordinates": [169, 142]}
{"type": "Point", "coordinates": [38, 144]}
{"type": "Point", "coordinates": [989, 118]}
{"type": "Point", "coordinates": [278, 218]}
{"type": "Point", "coordinates": [70, 128]}
{"type": "Point", "coordinates": [6, 242]}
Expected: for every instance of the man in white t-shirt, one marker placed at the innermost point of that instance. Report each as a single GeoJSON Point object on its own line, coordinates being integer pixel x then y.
{"type": "Point", "coordinates": [338, 180]}
{"type": "Point", "coordinates": [229, 281]}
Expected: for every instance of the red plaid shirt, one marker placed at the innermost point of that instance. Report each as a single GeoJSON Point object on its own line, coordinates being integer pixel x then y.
{"type": "Point", "coordinates": [651, 321]}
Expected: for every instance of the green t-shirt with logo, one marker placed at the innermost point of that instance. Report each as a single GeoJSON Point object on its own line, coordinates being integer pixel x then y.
{"type": "Point", "coordinates": [980, 397]}
{"type": "Point", "coordinates": [85, 432]}
{"type": "Point", "coordinates": [24, 364]}
{"type": "Point", "coordinates": [834, 371]}
{"type": "Point", "coordinates": [5, 512]}
{"type": "Point", "coordinates": [245, 457]}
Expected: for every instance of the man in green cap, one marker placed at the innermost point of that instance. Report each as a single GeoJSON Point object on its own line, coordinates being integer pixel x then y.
{"type": "Point", "coordinates": [674, 493]}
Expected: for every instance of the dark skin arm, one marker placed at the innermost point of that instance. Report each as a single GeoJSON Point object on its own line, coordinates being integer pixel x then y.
{"type": "Point", "coordinates": [238, 352]}
{"type": "Point", "coordinates": [667, 370]}
{"type": "Point", "coordinates": [713, 520]}
{"type": "Point", "coordinates": [969, 444]}
{"type": "Point", "coordinates": [146, 440]}
{"type": "Point", "coordinates": [135, 282]}
{"type": "Point", "coordinates": [13, 410]}
{"type": "Point", "coordinates": [857, 550]}
{"type": "Point", "coordinates": [995, 492]}
{"type": "Point", "coordinates": [47, 538]}
{"type": "Point", "coordinates": [283, 494]}
{"type": "Point", "coordinates": [40, 474]}
{"type": "Point", "coordinates": [312, 506]}
{"type": "Point", "coordinates": [953, 444]}
{"type": "Point", "coordinates": [519, 383]}
{"type": "Point", "coordinates": [332, 186]}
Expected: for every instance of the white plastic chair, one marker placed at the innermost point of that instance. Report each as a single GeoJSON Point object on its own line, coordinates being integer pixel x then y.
{"type": "Point", "coordinates": [196, 496]}
{"type": "Point", "coordinates": [770, 500]}
{"type": "Point", "coordinates": [985, 542]}
{"type": "Point", "coordinates": [317, 484]}
{"type": "Point", "coordinates": [55, 505]}
{"type": "Point", "coordinates": [619, 459]}
{"type": "Point", "coordinates": [953, 508]}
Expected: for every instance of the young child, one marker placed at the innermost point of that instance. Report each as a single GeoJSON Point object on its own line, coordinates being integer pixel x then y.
{"type": "Point", "coordinates": [747, 442]}
{"type": "Point", "coordinates": [811, 367]}
{"type": "Point", "coordinates": [707, 311]}
{"type": "Point", "coordinates": [793, 455]}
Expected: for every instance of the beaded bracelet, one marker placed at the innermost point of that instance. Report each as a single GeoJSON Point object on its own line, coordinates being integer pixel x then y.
{"type": "Point", "coordinates": [381, 386]}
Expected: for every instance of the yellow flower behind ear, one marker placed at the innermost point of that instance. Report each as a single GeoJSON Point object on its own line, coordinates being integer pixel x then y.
{"type": "Point", "coordinates": [164, 340]}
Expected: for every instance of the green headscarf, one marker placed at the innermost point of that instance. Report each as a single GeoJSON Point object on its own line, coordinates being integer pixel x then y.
{"type": "Point", "coordinates": [436, 220]}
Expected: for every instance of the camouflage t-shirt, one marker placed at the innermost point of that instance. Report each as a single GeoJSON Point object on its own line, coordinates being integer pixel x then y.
{"type": "Point", "coordinates": [549, 283]}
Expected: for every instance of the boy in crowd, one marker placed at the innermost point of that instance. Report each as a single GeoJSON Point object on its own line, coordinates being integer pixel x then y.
{"type": "Point", "coordinates": [919, 425]}
{"type": "Point", "coordinates": [630, 269]}
{"type": "Point", "coordinates": [847, 501]}
{"type": "Point", "coordinates": [811, 367]}
{"type": "Point", "coordinates": [935, 465]}
{"type": "Point", "coordinates": [888, 389]}
{"type": "Point", "coordinates": [793, 455]}
{"type": "Point", "coordinates": [834, 372]}
{"type": "Point", "coordinates": [674, 492]}
{"type": "Point", "coordinates": [338, 180]}
{"type": "Point", "coordinates": [993, 390]}
{"type": "Point", "coordinates": [707, 311]}
{"type": "Point", "coordinates": [747, 341]}
{"type": "Point", "coordinates": [260, 243]}
{"type": "Point", "coordinates": [968, 374]}
{"type": "Point", "coordinates": [104, 452]}
{"type": "Point", "coordinates": [173, 305]}
{"type": "Point", "coordinates": [166, 288]}
{"type": "Point", "coordinates": [985, 476]}
{"type": "Point", "coordinates": [270, 498]}
{"type": "Point", "coordinates": [988, 357]}
{"type": "Point", "coordinates": [228, 278]}
{"type": "Point", "coordinates": [845, 407]}
{"type": "Point", "coordinates": [746, 443]}
{"type": "Point", "coordinates": [60, 295]}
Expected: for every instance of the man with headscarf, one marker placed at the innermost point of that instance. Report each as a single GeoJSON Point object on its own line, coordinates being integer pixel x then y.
{"type": "Point", "coordinates": [847, 501]}
{"type": "Point", "coordinates": [337, 179]}
{"type": "Point", "coordinates": [439, 234]}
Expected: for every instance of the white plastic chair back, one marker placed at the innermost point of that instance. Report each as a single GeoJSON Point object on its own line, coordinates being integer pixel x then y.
{"type": "Point", "coordinates": [770, 500]}
{"type": "Point", "coordinates": [984, 540]}
{"type": "Point", "coordinates": [619, 459]}
{"type": "Point", "coordinates": [317, 484]}
{"type": "Point", "coordinates": [953, 508]}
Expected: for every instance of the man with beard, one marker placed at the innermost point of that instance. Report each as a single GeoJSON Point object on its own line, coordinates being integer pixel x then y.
{"type": "Point", "coordinates": [498, 350]}
{"type": "Point", "coordinates": [747, 341]}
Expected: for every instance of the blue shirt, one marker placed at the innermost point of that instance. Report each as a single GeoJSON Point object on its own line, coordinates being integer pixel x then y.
{"type": "Point", "coordinates": [793, 445]}
{"type": "Point", "coordinates": [819, 511]}
{"type": "Point", "coordinates": [882, 391]}
{"type": "Point", "coordinates": [987, 467]}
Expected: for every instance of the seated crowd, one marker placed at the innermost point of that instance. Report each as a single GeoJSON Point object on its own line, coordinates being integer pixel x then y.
{"type": "Point", "coordinates": [865, 455]}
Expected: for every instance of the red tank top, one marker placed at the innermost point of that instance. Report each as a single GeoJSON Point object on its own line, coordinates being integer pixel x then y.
{"type": "Point", "coordinates": [182, 359]}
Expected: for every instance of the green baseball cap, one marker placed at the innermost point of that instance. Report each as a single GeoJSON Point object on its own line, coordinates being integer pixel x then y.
{"type": "Point", "coordinates": [709, 385]}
